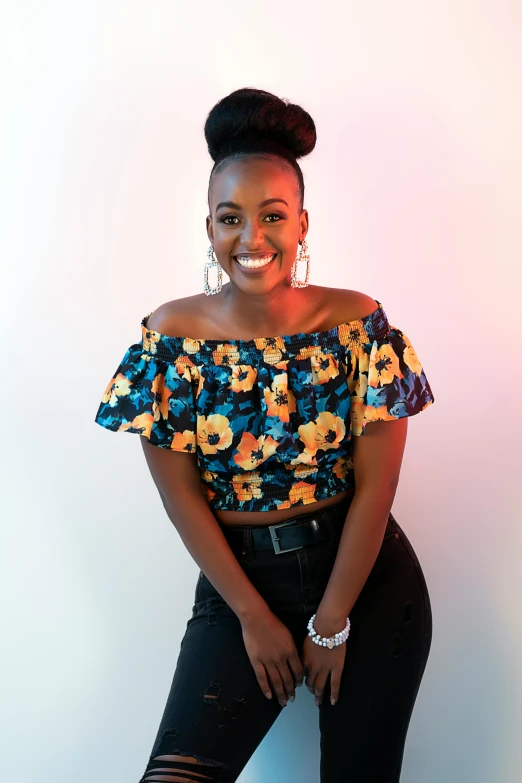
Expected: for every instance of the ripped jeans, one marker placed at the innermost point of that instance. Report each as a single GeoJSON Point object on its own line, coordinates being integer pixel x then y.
{"type": "Point", "coordinates": [216, 715]}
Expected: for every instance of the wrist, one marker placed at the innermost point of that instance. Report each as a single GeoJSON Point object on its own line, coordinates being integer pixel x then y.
{"type": "Point", "coordinates": [253, 612]}
{"type": "Point", "coordinates": [328, 625]}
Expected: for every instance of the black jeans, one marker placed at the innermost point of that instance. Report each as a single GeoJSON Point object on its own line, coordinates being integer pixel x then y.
{"type": "Point", "coordinates": [216, 713]}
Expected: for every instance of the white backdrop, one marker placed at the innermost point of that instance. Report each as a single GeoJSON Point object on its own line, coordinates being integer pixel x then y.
{"type": "Point", "coordinates": [413, 193]}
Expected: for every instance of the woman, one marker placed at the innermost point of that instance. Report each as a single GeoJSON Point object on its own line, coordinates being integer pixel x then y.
{"type": "Point", "coordinates": [240, 429]}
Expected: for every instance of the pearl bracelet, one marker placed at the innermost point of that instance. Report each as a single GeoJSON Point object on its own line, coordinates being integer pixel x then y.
{"type": "Point", "coordinates": [332, 641]}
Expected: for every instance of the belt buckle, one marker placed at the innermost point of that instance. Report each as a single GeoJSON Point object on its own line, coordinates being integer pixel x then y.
{"type": "Point", "coordinates": [275, 538]}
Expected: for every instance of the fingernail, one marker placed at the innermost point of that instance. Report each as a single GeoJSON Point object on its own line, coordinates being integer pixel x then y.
{"type": "Point", "coordinates": [282, 703]}
{"type": "Point", "coordinates": [291, 698]}
{"type": "Point", "coordinates": [268, 695]}
{"type": "Point", "coordinates": [317, 702]}
{"type": "Point", "coordinates": [332, 701]}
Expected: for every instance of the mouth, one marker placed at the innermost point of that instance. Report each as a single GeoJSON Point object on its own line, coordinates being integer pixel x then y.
{"type": "Point", "coordinates": [254, 264]}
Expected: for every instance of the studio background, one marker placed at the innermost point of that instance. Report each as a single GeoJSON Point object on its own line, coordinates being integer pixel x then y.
{"type": "Point", "coordinates": [413, 193]}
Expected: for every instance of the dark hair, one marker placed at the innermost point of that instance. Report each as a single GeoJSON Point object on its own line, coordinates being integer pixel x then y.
{"type": "Point", "coordinates": [255, 122]}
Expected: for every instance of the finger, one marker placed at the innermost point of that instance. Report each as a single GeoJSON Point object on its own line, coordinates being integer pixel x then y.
{"type": "Point", "coordinates": [335, 685]}
{"type": "Point", "coordinates": [277, 684]}
{"type": "Point", "coordinates": [297, 668]}
{"type": "Point", "coordinates": [263, 680]}
{"type": "Point", "coordinates": [288, 680]}
{"type": "Point", "coordinates": [319, 685]}
{"type": "Point", "coordinates": [310, 680]}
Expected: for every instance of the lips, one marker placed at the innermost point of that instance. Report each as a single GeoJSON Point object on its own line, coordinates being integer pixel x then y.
{"type": "Point", "coordinates": [258, 269]}
{"type": "Point", "coordinates": [255, 257]}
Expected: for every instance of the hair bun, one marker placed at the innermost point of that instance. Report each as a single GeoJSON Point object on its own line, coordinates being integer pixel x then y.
{"type": "Point", "coordinates": [254, 114]}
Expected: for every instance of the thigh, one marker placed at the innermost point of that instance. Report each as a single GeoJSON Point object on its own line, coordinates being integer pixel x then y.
{"type": "Point", "coordinates": [364, 733]}
{"type": "Point", "coordinates": [215, 714]}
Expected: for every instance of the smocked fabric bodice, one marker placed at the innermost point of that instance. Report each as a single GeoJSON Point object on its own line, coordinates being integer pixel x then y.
{"type": "Point", "coordinates": [270, 420]}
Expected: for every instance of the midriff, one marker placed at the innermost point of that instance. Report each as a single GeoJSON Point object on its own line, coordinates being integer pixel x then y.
{"type": "Point", "coordinates": [270, 517]}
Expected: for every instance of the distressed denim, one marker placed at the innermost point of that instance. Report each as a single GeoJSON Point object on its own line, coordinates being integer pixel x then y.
{"type": "Point", "coordinates": [216, 715]}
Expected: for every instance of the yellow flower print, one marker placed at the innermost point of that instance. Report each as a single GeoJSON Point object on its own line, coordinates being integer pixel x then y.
{"type": "Point", "coordinates": [361, 361]}
{"type": "Point", "coordinates": [352, 334]}
{"type": "Point", "coordinates": [384, 366]}
{"type": "Point", "coordinates": [248, 486]}
{"type": "Point", "coordinates": [225, 354]}
{"type": "Point", "coordinates": [310, 350]}
{"type": "Point", "coordinates": [192, 346]}
{"type": "Point", "coordinates": [272, 347]}
{"type": "Point", "coordinates": [242, 377]}
{"type": "Point", "coordinates": [150, 339]}
{"type": "Point", "coordinates": [252, 451]}
{"type": "Point", "coordinates": [184, 367]}
{"type": "Point", "coordinates": [119, 386]}
{"type": "Point", "coordinates": [326, 432]}
{"type": "Point", "coordinates": [303, 470]}
{"type": "Point", "coordinates": [304, 458]}
{"type": "Point", "coordinates": [279, 398]}
{"type": "Point", "coordinates": [342, 466]}
{"type": "Point", "coordinates": [302, 491]}
{"type": "Point", "coordinates": [361, 414]}
{"type": "Point", "coordinates": [207, 476]}
{"type": "Point", "coordinates": [142, 423]}
{"type": "Point", "coordinates": [324, 367]}
{"type": "Point", "coordinates": [184, 441]}
{"type": "Point", "coordinates": [213, 433]}
{"type": "Point", "coordinates": [160, 403]}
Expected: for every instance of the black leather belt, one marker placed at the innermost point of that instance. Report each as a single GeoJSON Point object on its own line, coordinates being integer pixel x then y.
{"type": "Point", "coordinates": [293, 533]}
{"type": "Point", "coordinates": [290, 535]}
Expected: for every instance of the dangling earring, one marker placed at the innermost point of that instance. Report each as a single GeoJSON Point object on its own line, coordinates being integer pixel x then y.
{"type": "Point", "coordinates": [208, 265]}
{"type": "Point", "coordinates": [301, 256]}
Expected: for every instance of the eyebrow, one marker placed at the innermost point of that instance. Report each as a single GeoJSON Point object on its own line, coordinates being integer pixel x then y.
{"type": "Point", "coordinates": [233, 205]}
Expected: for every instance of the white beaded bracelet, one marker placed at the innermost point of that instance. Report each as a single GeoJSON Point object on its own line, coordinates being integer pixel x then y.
{"type": "Point", "coordinates": [332, 641]}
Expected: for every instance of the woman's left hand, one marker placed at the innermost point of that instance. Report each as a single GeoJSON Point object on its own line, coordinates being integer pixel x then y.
{"type": "Point", "coordinates": [319, 663]}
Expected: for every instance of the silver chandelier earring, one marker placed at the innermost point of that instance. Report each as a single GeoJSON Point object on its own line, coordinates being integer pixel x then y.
{"type": "Point", "coordinates": [301, 256]}
{"type": "Point", "coordinates": [212, 262]}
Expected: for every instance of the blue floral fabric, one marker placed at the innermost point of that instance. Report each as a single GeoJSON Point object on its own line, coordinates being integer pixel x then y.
{"type": "Point", "coordinates": [270, 420]}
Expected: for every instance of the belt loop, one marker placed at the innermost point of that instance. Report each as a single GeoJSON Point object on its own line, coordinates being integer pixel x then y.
{"type": "Point", "coordinates": [247, 548]}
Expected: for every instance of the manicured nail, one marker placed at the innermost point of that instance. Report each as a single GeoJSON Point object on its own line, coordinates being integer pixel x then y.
{"type": "Point", "coordinates": [332, 701]}
{"type": "Point", "coordinates": [268, 695]}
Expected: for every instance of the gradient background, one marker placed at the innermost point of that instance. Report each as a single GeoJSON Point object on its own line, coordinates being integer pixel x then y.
{"type": "Point", "coordinates": [414, 197]}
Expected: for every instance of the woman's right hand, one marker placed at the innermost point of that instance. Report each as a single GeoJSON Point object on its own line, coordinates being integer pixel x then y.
{"type": "Point", "coordinates": [273, 655]}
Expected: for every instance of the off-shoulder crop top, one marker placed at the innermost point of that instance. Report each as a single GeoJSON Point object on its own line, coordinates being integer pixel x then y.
{"type": "Point", "coordinates": [270, 420]}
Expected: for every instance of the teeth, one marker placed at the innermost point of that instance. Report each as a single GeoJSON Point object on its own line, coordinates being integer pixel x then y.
{"type": "Point", "coordinates": [245, 261]}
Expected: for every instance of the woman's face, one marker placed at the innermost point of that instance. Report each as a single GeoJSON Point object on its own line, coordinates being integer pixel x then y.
{"type": "Point", "coordinates": [253, 229]}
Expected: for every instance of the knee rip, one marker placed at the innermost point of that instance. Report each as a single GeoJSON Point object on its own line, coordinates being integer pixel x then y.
{"type": "Point", "coordinates": [180, 768]}
{"type": "Point", "coordinates": [169, 764]}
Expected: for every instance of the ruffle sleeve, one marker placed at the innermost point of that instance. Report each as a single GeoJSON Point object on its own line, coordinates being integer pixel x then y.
{"type": "Point", "coordinates": [386, 381]}
{"type": "Point", "coordinates": [154, 398]}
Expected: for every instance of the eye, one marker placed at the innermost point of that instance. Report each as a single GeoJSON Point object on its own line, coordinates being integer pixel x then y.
{"type": "Point", "coordinates": [279, 215]}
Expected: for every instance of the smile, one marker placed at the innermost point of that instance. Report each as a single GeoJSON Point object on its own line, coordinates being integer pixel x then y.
{"type": "Point", "coordinates": [248, 263]}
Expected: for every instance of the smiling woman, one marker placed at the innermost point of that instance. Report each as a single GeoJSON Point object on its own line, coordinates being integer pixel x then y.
{"type": "Point", "coordinates": [251, 399]}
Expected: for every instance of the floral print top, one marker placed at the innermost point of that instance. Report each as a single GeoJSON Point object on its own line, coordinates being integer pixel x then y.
{"type": "Point", "coordinates": [269, 420]}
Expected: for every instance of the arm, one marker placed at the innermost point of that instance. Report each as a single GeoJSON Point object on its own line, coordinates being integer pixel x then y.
{"type": "Point", "coordinates": [377, 457]}
{"type": "Point", "coordinates": [177, 479]}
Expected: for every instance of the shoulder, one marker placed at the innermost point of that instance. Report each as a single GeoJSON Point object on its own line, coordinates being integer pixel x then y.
{"type": "Point", "coordinates": [345, 305]}
{"type": "Point", "coordinates": [179, 317]}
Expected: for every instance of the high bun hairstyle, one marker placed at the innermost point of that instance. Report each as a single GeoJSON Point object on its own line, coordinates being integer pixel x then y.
{"type": "Point", "coordinates": [250, 121]}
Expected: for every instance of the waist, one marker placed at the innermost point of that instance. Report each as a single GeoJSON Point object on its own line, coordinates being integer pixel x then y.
{"type": "Point", "coordinates": [274, 487]}
{"type": "Point", "coordinates": [298, 531]}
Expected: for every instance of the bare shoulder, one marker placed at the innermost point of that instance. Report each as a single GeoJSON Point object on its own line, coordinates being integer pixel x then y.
{"type": "Point", "coordinates": [178, 318]}
{"type": "Point", "coordinates": [346, 305]}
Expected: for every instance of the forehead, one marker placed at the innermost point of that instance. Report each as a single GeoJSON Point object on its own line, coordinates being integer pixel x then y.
{"type": "Point", "coordinates": [252, 179]}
